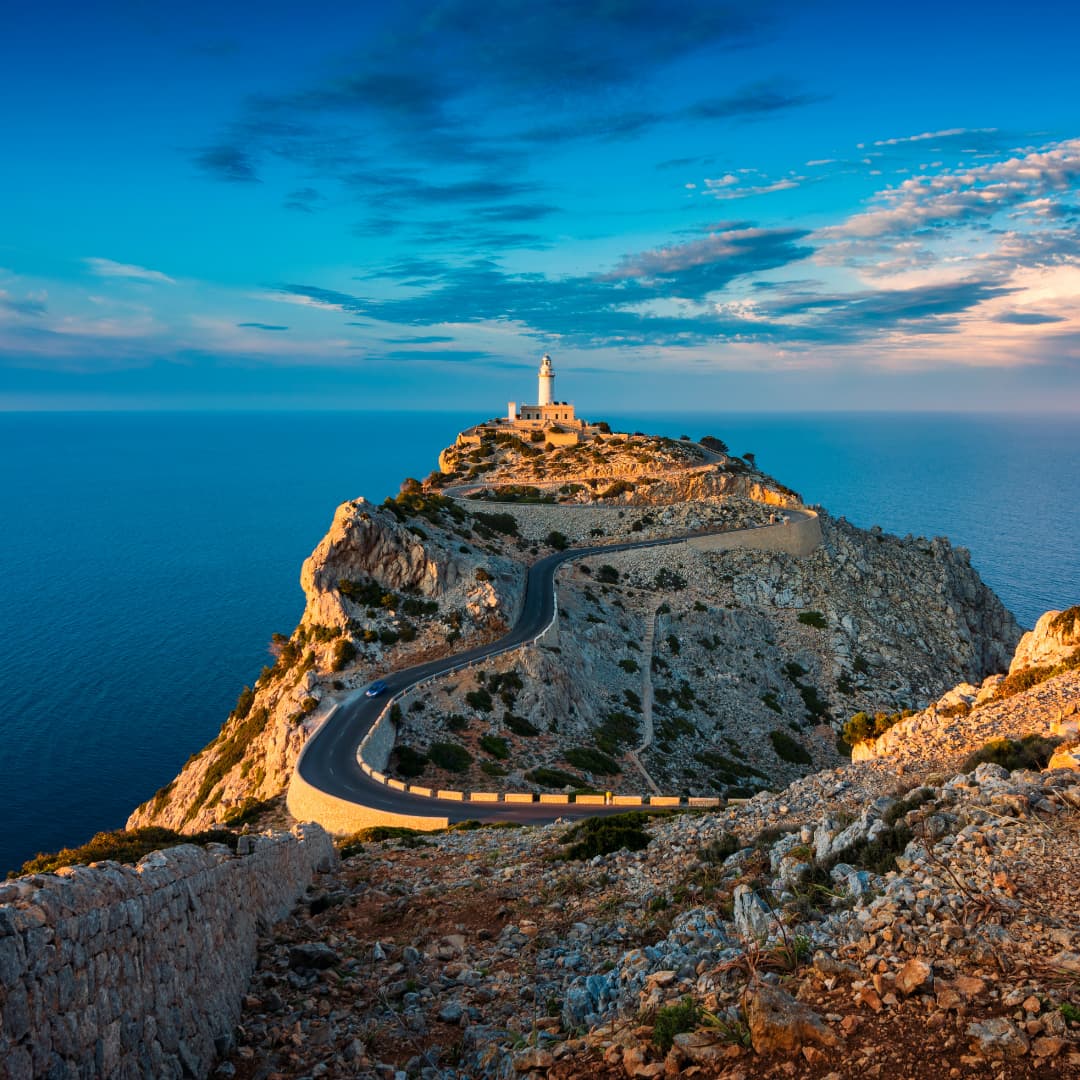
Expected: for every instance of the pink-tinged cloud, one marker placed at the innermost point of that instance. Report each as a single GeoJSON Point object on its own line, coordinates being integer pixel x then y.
{"type": "Point", "coordinates": [964, 195]}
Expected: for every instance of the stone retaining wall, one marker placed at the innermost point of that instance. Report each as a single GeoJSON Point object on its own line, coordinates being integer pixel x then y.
{"type": "Point", "coordinates": [138, 971]}
{"type": "Point", "coordinates": [799, 537]}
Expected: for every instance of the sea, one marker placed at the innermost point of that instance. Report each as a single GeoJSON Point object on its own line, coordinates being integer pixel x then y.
{"type": "Point", "coordinates": [146, 558]}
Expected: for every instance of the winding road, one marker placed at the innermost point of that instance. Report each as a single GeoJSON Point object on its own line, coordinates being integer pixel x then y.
{"type": "Point", "coordinates": [329, 762]}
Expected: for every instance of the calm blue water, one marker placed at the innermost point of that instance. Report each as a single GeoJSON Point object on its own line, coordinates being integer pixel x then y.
{"type": "Point", "coordinates": [145, 559]}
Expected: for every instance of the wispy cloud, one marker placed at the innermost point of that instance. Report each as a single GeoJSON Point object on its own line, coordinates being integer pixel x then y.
{"type": "Point", "coordinates": [108, 268]}
{"type": "Point", "coordinates": [260, 326]}
{"type": "Point", "coordinates": [946, 133]}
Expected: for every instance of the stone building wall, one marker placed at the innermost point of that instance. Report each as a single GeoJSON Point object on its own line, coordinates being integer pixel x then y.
{"type": "Point", "coordinates": [138, 971]}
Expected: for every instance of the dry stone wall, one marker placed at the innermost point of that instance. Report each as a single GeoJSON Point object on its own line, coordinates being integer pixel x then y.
{"type": "Point", "coordinates": [138, 971]}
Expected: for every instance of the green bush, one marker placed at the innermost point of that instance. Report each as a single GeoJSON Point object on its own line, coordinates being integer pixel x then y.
{"type": "Point", "coordinates": [450, 756]}
{"type": "Point", "coordinates": [1030, 752]}
{"type": "Point", "coordinates": [480, 699]}
{"type": "Point", "coordinates": [603, 835]}
{"type": "Point", "coordinates": [243, 703]}
{"type": "Point", "coordinates": [122, 845]}
{"type": "Point", "coordinates": [553, 778]}
{"type": "Point", "coordinates": [594, 761]}
{"type": "Point", "coordinates": [410, 762]}
{"type": "Point", "coordinates": [787, 749]}
{"type": "Point", "coordinates": [629, 666]}
{"type": "Point", "coordinates": [673, 1020]}
{"type": "Point", "coordinates": [457, 722]}
{"type": "Point", "coordinates": [607, 575]}
{"type": "Point", "coordinates": [813, 618]}
{"type": "Point", "coordinates": [519, 725]}
{"type": "Point", "coordinates": [557, 540]}
{"type": "Point", "coordinates": [496, 746]}
{"type": "Point", "coordinates": [344, 654]}
{"type": "Point", "coordinates": [503, 522]}
{"type": "Point", "coordinates": [1020, 681]}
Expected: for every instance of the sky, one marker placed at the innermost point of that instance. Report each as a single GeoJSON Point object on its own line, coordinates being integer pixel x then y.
{"type": "Point", "coordinates": [692, 206]}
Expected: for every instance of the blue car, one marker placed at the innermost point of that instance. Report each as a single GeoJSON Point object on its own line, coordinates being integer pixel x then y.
{"type": "Point", "coordinates": [375, 689]}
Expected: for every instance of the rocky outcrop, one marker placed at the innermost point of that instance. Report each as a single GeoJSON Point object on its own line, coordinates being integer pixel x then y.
{"type": "Point", "coordinates": [1055, 637]}
{"type": "Point", "coordinates": [386, 587]}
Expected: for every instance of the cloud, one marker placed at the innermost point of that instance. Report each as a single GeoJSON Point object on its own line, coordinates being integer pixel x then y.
{"type": "Point", "coordinates": [107, 268]}
{"type": "Point", "coordinates": [260, 326]}
{"type": "Point", "coordinates": [227, 161]}
{"type": "Point", "coordinates": [721, 189]}
{"type": "Point", "coordinates": [947, 133]}
{"type": "Point", "coordinates": [29, 306]}
{"type": "Point", "coordinates": [1027, 318]}
{"type": "Point", "coordinates": [303, 200]}
{"type": "Point", "coordinates": [964, 195]}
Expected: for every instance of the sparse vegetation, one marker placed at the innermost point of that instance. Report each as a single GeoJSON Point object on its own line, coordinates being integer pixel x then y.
{"type": "Point", "coordinates": [603, 835]}
{"type": "Point", "coordinates": [449, 756]}
{"type": "Point", "coordinates": [122, 845]}
{"type": "Point", "coordinates": [590, 760]}
{"type": "Point", "coordinates": [813, 618]}
{"type": "Point", "coordinates": [788, 749]}
{"type": "Point", "coordinates": [673, 1020]}
{"type": "Point", "coordinates": [1030, 752]}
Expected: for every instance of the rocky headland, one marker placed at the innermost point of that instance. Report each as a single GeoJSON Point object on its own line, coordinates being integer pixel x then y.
{"type": "Point", "coordinates": [730, 670]}
{"type": "Point", "coordinates": [889, 885]}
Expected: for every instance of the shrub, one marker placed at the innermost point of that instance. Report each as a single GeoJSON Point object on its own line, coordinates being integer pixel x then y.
{"type": "Point", "coordinates": [787, 749]}
{"type": "Point", "coordinates": [603, 835]}
{"type": "Point", "coordinates": [519, 725]}
{"type": "Point", "coordinates": [490, 768]}
{"type": "Point", "coordinates": [813, 618]}
{"type": "Point", "coordinates": [480, 699]}
{"type": "Point", "coordinates": [1030, 752]}
{"type": "Point", "coordinates": [309, 705]}
{"type": "Point", "coordinates": [864, 726]}
{"type": "Point", "coordinates": [1020, 681]}
{"type": "Point", "coordinates": [503, 522]}
{"type": "Point", "coordinates": [457, 722]}
{"type": "Point", "coordinates": [607, 575]}
{"type": "Point", "coordinates": [344, 654]}
{"type": "Point", "coordinates": [481, 574]}
{"type": "Point", "coordinates": [410, 762]}
{"type": "Point", "coordinates": [594, 761]}
{"type": "Point", "coordinates": [553, 778]}
{"type": "Point", "coordinates": [672, 1020]}
{"type": "Point", "coordinates": [496, 746]}
{"type": "Point", "coordinates": [720, 848]}
{"type": "Point", "coordinates": [449, 756]}
{"type": "Point", "coordinates": [122, 845]}
{"type": "Point", "coordinates": [770, 702]}
{"type": "Point", "coordinates": [669, 580]}
{"type": "Point", "coordinates": [244, 703]}
{"type": "Point", "coordinates": [629, 666]}
{"type": "Point", "coordinates": [557, 540]}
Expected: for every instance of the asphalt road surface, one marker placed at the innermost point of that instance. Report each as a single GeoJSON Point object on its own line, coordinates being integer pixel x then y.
{"type": "Point", "coordinates": [328, 761]}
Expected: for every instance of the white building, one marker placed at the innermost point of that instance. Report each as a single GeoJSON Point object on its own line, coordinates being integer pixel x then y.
{"type": "Point", "coordinates": [546, 409]}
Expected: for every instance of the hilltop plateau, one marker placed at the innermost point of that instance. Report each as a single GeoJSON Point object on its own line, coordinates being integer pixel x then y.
{"type": "Point", "coordinates": [719, 666]}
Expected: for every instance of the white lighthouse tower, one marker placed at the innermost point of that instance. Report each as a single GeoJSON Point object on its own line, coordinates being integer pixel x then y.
{"type": "Point", "coordinates": [547, 382]}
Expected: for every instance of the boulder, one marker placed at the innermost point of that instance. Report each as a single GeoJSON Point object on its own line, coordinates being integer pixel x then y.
{"type": "Point", "coordinates": [780, 1024]}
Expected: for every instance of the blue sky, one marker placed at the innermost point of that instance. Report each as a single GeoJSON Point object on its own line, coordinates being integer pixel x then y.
{"type": "Point", "coordinates": [691, 206]}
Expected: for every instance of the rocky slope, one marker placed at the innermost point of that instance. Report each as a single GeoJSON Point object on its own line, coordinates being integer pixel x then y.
{"type": "Point", "coordinates": [914, 916]}
{"type": "Point", "coordinates": [756, 657]}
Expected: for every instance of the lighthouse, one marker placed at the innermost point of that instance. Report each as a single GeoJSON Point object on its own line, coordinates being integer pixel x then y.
{"type": "Point", "coordinates": [547, 382]}
{"type": "Point", "coordinates": [547, 411]}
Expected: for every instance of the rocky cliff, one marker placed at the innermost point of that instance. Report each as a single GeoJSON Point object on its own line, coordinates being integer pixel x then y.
{"type": "Point", "coordinates": [731, 669]}
{"type": "Point", "coordinates": [387, 586]}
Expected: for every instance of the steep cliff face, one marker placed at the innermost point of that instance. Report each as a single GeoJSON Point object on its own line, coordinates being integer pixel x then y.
{"type": "Point", "coordinates": [387, 586]}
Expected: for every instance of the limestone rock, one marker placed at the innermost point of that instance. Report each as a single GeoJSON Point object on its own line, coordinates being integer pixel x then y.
{"type": "Point", "coordinates": [997, 1038]}
{"type": "Point", "coordinates": [1055, 636]}
{"type": "Point", "coordinates": [751, 915]}
{"type": "Point", "coordinates": [914, 977]}
{"type": "Point", "coordinates": [779, 1023]}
